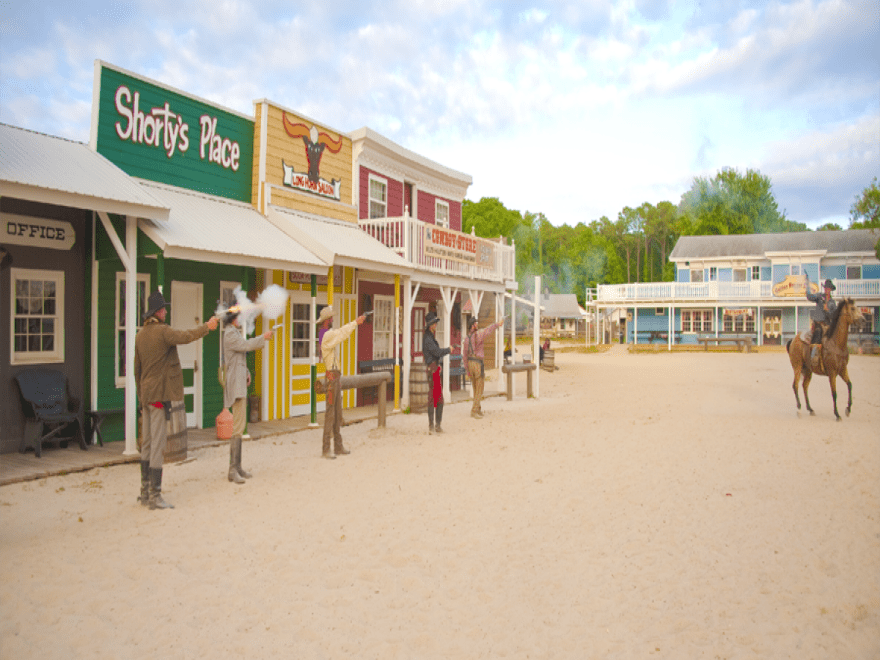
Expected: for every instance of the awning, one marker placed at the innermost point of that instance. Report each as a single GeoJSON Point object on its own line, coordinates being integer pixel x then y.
{"type": "Point", "coordinates": [224, 231]}
{"type": "Point", "coordinates": [338, 242]}
{"type": "Point", "coordinates": [52, 170]}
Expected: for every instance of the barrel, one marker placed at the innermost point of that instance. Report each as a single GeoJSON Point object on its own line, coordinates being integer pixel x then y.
{"type": "Point", "coordinates": [418, 387]}
{"type": "Point", "coordinates": [549, 362]}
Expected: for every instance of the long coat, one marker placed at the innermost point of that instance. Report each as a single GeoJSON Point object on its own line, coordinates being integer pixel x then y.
{"type": "Point", "coordinates": [235, 350]}
{"type": "Point", "coordinates": [157, 371]}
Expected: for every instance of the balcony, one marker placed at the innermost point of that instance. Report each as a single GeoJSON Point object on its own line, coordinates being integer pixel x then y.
{"type": "Point", "coordinates": [444, 251]}
{"type": "Point", "coordinates": [712, 292]}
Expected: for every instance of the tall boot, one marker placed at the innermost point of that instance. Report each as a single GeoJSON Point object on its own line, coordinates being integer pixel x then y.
{"type": "Point", "coordinates": [235, 459]}
{"type": "Point", "coordinates": [430, 418]}
{"type": "Point", "coordinates": [241, 471]}
{"type": "Point", "coordinates": [438, 428]}
{"type": "Point", "coordinates": [156, 501]}
{"type": "Point", "coordinates": [144, 497]}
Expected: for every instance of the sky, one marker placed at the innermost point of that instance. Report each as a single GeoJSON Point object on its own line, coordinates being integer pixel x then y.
{"type": "Point", "coordinates": [570, 109]}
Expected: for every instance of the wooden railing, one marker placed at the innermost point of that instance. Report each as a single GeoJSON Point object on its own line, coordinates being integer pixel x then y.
{"type": "Point", "coordinates": [718, 291]}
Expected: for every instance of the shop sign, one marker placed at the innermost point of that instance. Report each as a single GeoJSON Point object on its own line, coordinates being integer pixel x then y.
{"type": "Point", "coordinates": [37, 232]}
{"type": "Point", "coordinates": [156, 133]}
{"type": "Point", "coordinates": [739, 312]}
{"type": "Point", "coordinates": [793, 287]}
{"type": "Point", "coordinates": [315, 143]}
{"type": "Point", "coordinates": [449, 244]}
{"type": "Point", "coordinates": [320, 280]}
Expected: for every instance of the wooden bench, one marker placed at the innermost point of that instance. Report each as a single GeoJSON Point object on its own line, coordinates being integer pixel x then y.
{"type": "Point", "coordinates": [742, 343]}
{"type": "Point", "coordinates": [654, 335]}
{"type": "Point", "coordinates": [96, 418]}
{"type": "Point", "coordinates": [511, 369]}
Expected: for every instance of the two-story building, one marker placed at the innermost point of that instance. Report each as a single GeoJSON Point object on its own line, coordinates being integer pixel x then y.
{"type": "Point", "coordinates": [750, 285]}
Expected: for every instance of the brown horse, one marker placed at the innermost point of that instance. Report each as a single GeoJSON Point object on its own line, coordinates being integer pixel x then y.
{"type": "Point", "coordinates": [835, 355]}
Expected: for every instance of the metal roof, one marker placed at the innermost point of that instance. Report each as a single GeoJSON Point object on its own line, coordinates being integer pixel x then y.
{"type": "Point", "coordinates": [757, 245]}
{"type": "Point", "coordinates": [560, 306]}
{"type": "Point", "coordinates": [52, 170]}
{"type": "Point", "coordinates": [338, 242]}
{"type": "Point", "coordinates": [217, 230]}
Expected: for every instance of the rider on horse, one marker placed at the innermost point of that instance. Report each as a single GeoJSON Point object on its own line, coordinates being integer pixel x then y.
{"type": "Point", "coordinates": [821, 315]}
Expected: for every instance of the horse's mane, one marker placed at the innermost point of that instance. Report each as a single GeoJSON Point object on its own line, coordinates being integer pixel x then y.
{"type": "Point", "coordinates": [832, 327]}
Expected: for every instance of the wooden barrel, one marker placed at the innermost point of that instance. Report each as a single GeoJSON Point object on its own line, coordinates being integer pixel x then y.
{"type": "Point", "coordinates": [418, 387]}
{"type": "Point", "coordinates": [549, 360]}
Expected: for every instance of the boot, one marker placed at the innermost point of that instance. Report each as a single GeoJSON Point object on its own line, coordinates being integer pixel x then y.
{"type": "Point", "coordinates": [144, 497]}
{"type": "Point", "coordinates": [430, 419]}
{"type": "Point", "coordinates": [235, 459]}
{"type": "Point", "coordinates": [438, 428]}
{"type": "Point", "coordinates": [241, 471]}
{"type": "Point", "coordinates": [339, 449]}
{"type": "Point", "coordinates": [156, 501]}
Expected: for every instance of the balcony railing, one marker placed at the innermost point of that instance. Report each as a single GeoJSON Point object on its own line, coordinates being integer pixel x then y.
{"type": "Point", "coordinates": [647, 292]}
{"type": "Point", "coordinates": [471, 257]}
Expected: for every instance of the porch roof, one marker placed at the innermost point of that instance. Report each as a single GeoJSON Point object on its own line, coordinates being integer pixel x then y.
{"type": "Point", "coordinates": [218, 230]}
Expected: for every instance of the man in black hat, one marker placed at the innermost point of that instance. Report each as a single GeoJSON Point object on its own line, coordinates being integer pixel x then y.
{"type": "Point", "coordinates": [159, 381]}
{"type": "Point", "coordinates": [822, 313]}
{"type": "Point", "coordinates": [475, 356]}
{"type": "Point", "coordinates": [433, 354]}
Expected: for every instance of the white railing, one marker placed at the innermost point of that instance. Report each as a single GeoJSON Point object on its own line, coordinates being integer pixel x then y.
{"type": "Point", "coordinates": [714, 291]}
{"type": "Point", "coordinates": [407, 237]}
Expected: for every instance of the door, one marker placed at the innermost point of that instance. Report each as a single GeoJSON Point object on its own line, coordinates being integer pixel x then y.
{"type": "Point", "coordinates": [186, 313]}
{"type": "Point", "coordinates": [420, 310]}
{"type": "Point", "coordinates": [772, 327]}
{"type": "Point", "coordinates": [300, 364]}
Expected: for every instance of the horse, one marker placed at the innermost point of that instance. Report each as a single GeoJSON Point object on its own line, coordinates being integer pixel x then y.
{"type": "Point", "coordinates": [835, 355]}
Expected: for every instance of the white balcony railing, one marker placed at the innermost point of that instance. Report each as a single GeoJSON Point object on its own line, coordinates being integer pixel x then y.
{"type": "Point", "coordinates": [408, 237]}
{"type": "Point", "coordinates": [718, 291]}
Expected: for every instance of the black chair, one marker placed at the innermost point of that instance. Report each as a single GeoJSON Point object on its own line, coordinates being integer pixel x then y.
{"type": "Point", "coordinates": [48, 408]}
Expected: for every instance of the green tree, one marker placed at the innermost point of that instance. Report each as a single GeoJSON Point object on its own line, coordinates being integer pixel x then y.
{"type": "Point", "coordinates": [829, 226]}
{"type": "Point", "coordinates": [865, 211]}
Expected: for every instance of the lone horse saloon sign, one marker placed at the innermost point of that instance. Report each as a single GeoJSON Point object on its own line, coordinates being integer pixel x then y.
{"type": "Point", "coordinates": [315, 143]}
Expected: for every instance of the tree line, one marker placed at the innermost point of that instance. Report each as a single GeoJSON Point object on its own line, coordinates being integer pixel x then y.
{"type": "Point", "coordinates": [635, 247]}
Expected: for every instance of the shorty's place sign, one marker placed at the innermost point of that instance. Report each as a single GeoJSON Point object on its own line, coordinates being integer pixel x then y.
{"type": "Point", "coordinates": [793, 287]}
{"type": "Point", "coordinates": [37, 232]}
{"type": "Point", "coordinates": [157, 133]}
{"type": "Point", "coordinates": [448, 244]}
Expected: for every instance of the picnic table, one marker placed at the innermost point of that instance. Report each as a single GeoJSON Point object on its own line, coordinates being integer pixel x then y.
{"type": "Point", "coordinates": [743, 343]}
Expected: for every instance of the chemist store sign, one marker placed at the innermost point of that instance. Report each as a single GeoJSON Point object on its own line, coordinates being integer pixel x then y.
{"type": "Point", "coordinates": [161, 134]}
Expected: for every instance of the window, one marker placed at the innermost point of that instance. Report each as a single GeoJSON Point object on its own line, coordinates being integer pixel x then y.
{"type": "Point", "coordinates": [697, 275]}
{"type": "Point", "coordinates": [441, 214]}
{"type": "Point", "coordinates": [659, 311]}
{"type": "Point", "coordinates": [143, 285]}
{"type": "Point", "coordinates": [853, 272]}
{"type": "Point", "coordinates": [713, 274]}
{"type": "Point", "coordinates": [795, 269]}
{"type": "Point", "coordinates": [383, 327]}
{"type": "Point", "coordinates": [739, 274]}
{"type": "Point", "coordinates": [378, 198]}
{"type": "Point", "coordinates": [756, 273]}
{"type": "Point", "coordinates": [300, 330]}
{"type": "Point", "coordinates": [696, 320]}
{"type": "Point", "coordinates": [739, 321]}
{"type": "Point", "coordinates": [37, 315]}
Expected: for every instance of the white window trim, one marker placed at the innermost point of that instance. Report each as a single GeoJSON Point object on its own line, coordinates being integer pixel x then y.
{"type": "Point", "coordinates": [437, 205]}
{"type": "Point", "coordinates": [389, 299]}
{"type": "Point", "coordinates": [378, 179]}
{"type": "Point", "coordinates": [120, 275]}
{"type": "Point", "coordinates": [42, 357]}
{"type": "Point", "coordinates": [690, 314]}
{"type": "Point", "coordinates": [746, 274]}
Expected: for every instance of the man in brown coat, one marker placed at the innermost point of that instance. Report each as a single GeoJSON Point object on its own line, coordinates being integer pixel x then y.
{"type": "Point", "coordinates": [159, 381]}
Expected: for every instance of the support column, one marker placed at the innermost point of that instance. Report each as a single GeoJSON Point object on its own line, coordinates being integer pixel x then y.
{"type": "Point", "coordinates": [536, 336]}
{"type": "Point", "coordinates": [313, 356]}
{"type": "Point", "coordinates": [130, 330]}
{"type": "Point", "coordinates": [396, 343]}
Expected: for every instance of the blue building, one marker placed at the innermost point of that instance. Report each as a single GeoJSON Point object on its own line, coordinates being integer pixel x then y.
{"type": "Point", "coordinates": [750, 285]}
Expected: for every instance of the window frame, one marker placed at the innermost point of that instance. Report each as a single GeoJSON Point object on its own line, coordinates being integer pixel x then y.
{"type": "Point", "coordinates": [741, 273]}
{"type": "Point", "coordinates": [118, 328]}
{"type": "Point", "coordinates": [694, 272]}
{"type": "Point", "coordinates": [380, 305]}
{"type": "Point", "coordinates": [705, 318]}
{"type": "Point", "coordinates": [856, 267]}
{"type": "Point", "coordinates": [441, 204]}
{"type": "Point", "coordinates": [756, 273]}
{"type": "Point", "coordinates": [37, 357]}
{"type": "Point", "coordinates": [382, 181]}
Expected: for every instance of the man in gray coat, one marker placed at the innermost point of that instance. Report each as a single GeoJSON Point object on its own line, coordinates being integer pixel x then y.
{"type": "Point", "coordinates": [236, 382]}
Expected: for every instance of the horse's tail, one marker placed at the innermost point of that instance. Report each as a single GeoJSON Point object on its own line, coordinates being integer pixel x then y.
{"type": "Point", "coordinates": [788, 347]}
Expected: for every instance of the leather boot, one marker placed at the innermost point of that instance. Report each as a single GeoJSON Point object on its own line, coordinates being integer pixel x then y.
{"type": "Point", "coordinates": [241, 471]}
{"type": "Point", "coordinates": [235, 459]}
{"type": "Point", "coordinates": [156, 501]}
{"type": "Point", "coordinates": [340, 449]}
{"type": "Point", "coordinates": [430, 418]}
{"type": "Point", "coordinates": [144, 497]}
{"type": "Point", "coordinates": [438, 428]}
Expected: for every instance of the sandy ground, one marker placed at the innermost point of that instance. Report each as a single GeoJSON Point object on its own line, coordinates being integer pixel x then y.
{"type": "Point", "coordinates": [668, 506]}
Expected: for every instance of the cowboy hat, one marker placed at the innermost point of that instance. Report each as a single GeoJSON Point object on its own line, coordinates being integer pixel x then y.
{"type": "Point", "coordinates": [155, 302]}
{"type": "Point", "coordinates": [471, 320]}
{"type": "Point", "coordinates": [431, 319]}
{"type": "Point", "coordinates": [326, 313]}
{"type": "Point", "coordinates": [829, 285]}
